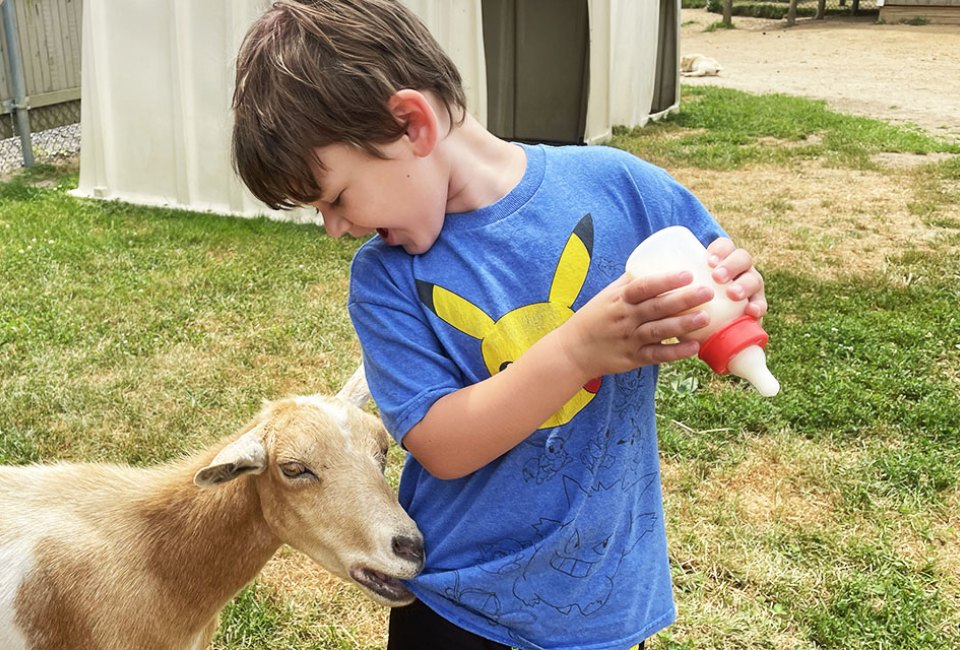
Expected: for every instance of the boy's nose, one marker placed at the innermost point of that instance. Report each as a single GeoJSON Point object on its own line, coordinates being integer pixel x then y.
{"type": "Point", "coordinates": [334, 225]}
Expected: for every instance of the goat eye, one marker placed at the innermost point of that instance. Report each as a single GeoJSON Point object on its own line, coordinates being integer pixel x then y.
{"type": "Point", "coordinates": [296, 470]}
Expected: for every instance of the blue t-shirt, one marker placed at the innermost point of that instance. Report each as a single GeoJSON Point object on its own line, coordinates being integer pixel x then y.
{"type": "Point", "coordinates": [560, 542]}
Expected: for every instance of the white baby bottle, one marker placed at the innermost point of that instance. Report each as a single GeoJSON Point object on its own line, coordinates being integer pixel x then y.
{"type": "Point", "coordinates": [732, 342]}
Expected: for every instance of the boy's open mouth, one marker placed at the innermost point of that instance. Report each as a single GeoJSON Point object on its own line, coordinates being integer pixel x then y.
{"type": "Point", "coordinates": [383, 232]}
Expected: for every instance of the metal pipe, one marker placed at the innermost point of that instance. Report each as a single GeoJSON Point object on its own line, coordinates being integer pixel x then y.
{"type": "Point", "coordinates": [20, 108]}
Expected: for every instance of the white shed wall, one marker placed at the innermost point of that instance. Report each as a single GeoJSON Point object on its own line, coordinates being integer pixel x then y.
{"type": "Point", "coordinates": [157, 80]}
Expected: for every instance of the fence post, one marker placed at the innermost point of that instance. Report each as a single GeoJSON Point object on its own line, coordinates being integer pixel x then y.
{"type": "Point", "coordinates": [20, 108]}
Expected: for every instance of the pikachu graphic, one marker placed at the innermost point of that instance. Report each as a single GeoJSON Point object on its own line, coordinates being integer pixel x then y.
{"type": "Point", "coordinates": [505, 339]}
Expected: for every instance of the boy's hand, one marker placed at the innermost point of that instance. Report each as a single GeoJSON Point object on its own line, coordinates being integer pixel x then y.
{"type": "Point", "coordinates": [735, 265]}
{"type": "Point", "coordinates": [619, 329]}
{"type": "Point", "coordinates": [623, 326]}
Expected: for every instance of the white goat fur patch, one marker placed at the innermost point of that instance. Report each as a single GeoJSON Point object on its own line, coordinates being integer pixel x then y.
{"type": "Point", "coordinates": [16, 558]}
{"type": "Point", "coordinates": [337, 412]}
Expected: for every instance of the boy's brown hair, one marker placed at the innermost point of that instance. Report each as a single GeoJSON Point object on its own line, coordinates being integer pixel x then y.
{"type": "Point", "coordinates": [316, 72]}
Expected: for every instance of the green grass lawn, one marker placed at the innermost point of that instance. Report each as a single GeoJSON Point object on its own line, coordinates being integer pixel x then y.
{"type": "Point", "coordinates": [824, 518]}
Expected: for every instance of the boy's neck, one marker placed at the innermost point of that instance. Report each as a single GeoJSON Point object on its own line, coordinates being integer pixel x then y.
{"type": "Point", "coordinates": [483, 168]}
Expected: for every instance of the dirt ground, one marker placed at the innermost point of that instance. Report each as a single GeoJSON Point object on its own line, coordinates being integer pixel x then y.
{"type": "Point", "coordinates": [896, 72]}
{"type": "Point", "coordinates": [817, 219]}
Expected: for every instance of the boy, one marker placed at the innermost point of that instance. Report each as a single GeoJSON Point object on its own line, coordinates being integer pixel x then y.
{"type": "Point", "coordinates": [504, 347]}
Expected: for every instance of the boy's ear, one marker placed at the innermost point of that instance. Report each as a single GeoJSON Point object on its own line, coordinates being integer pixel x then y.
{"type": "Point", "coordinates": [412, 109]}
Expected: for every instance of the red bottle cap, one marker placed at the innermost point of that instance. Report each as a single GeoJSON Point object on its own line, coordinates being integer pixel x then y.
{"type": "Point", "coordinates": [726, 342]}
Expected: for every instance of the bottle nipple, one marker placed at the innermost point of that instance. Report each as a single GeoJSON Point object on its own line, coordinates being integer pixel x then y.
{"type": "Point", "coordinates": [751, 364]}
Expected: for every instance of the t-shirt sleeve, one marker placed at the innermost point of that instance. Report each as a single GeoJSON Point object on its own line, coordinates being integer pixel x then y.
{"type": "Point", "coordinates": [405, 365]}
{"type": "Point", "coordinates": [668, 203]}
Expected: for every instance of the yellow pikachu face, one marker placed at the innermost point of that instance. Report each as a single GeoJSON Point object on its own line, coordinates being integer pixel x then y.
{"type": "Point", "coordinates": [504, 340]}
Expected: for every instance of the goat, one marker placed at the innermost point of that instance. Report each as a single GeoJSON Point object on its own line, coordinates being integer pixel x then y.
{"type": "Point", "coordinates": [103, 557]}
{"type": "Point", "coordinates": [698, 65]}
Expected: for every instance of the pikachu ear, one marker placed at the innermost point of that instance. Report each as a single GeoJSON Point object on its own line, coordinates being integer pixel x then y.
{"type": "Point", "coordinates": [455, 310]}
{"type": "Point", "coordinates": [573, 265]}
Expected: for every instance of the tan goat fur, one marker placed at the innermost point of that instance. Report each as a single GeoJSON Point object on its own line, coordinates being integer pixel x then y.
{"type": "Point", "coordinates": [100, 557]}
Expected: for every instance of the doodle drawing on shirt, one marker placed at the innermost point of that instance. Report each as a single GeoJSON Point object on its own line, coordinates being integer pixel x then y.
{"type": "Point", "coordinates": [545, 464]}
{"type": "Point", "coordinates": [505, 339]}
{"type": "Point", "coordinates": [575, 561]}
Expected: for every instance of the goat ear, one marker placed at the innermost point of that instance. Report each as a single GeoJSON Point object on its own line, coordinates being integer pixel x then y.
{"type": "Point", "coordinates": [356, 391]}
{"type": "Point", "coordinates": [245, 455]}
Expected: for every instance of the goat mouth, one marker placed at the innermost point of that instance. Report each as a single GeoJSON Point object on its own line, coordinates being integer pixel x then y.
{"type": "Point", "coordinates": [386, 586]}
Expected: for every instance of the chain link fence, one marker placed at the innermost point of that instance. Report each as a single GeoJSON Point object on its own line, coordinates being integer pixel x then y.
{"type": "Point", "coordinates": [54, 136]}
{"type": "Point", "coordinates": [43, 118]}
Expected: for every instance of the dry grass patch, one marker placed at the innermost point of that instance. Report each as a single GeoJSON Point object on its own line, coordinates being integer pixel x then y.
{"type": "Point", "coordinates": [726, 533]}
{"type": "Point", "coordinates": [779, 481]}
{"type": "Point", "coordinates": [900, 160]}
{"type": "Point", "coordinates": [811, 140]}
{"type": "Point", "coordinates": [945, 540]}
{"type": "Point", "coordinates": [818, 220]}
{"type": "Point", "coordinates": [319, 596]}
{"type": "Point", "coordinates": [761, 540]}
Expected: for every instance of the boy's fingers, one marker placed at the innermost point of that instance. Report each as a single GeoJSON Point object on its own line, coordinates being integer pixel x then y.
{"type": "Point", "coordinates": [672, 304]}
{"type": "Point", "coordinates": [718, 249]}
{"type": "Point", "coordinates": [757, 307]}
{"type": "Point", "coordinates": [747, 285]}
{"type": "Point", "coordinates": [655, 331]}
{"type": "Point", "coordinates": [732, 266]}
{"type": "Point", "coordinates": [657, 298]}
{"type": "Point", "coordinates": [641, 289]}
{"type": "Point", "coordinates": [751, 281]}
{"type": "Point", "coordinates": [667, 352]}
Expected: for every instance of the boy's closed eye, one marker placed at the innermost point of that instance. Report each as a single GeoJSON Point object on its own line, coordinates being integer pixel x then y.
{"type": "Point", "coordinates": [332, 202]}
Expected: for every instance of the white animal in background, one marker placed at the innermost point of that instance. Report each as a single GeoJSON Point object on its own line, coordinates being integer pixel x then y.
{"type": "Point", "coordinates": [104, 557]}
{"type": "Point", "coordinates": [698, 65]}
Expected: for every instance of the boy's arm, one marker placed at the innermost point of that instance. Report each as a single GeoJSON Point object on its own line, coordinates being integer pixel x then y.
{"type": "Point", "coordinates": [621, 328]}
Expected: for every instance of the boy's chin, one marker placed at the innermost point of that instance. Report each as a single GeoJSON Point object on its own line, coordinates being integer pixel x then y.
{"type": "Point", "coordinates": [410, 247]}
{"type": "Point", "coordinates": [385, 236]}
{"type": "Point", "coordinates": [417, 247]}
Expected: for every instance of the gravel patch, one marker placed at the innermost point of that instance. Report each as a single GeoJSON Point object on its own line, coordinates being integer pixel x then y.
{"type": "Point", "coordinates": [52, 146]}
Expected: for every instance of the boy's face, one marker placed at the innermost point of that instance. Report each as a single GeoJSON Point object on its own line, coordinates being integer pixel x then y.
{"type": "Point", "coordinates": [402, 196]}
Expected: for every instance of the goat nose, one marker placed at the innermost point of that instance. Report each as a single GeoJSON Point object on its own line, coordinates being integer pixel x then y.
{"type": "Point", "coordinates": [408, 548]}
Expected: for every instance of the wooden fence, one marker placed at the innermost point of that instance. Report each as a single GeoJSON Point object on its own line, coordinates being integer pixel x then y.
{"type": "Point", "coordinates": [49, 35]}
{"type": "Point", "coordinates": [921, 11]}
